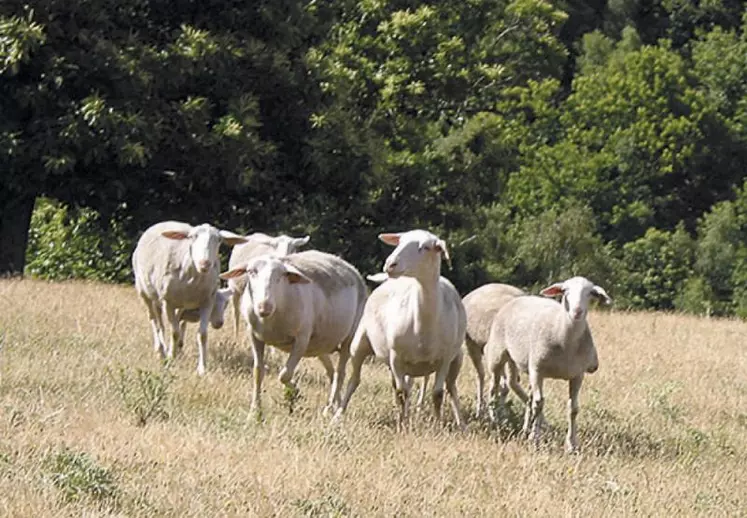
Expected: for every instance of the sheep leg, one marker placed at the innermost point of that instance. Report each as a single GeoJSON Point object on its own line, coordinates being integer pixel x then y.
{"type": "Point", "coordinates": [156, 324]}
{"type": "Point", "coordinates": [513, 382]}
{"type": "Point", "coordinates": [176, 328]}
{"type": "Point", "coordinates": [475, 354]}
{"type": "Point", "coordinates": [497, 390]}
{"type": "Point", "coordinates": [537, 403]}
{"type": "Point", "coordinates": [236, 299]}
{"type": "Point", "coordinates": [202, 338]}
{"type": "Point", "coordinates": [329, 369]}
{"type": "Point", "coordinates": [401, 389]}
{"type": "Point", "coordinates": [574, 387]}
{"type": "Point", "coordinates": [438, 389]}
{"type": "Point", "coordinates": [300, 345]}
{"type": "Point", "coordinates": [360, 349]}
{"type": "Point", "coordinates": [339, 374]}
{"type": "Point", "coordinates": [421, 395]}
{"type": "Point", "coordinates": [258, 350]}
{"type": "Point", "coordinates": [451, 388]}
{"type": "Point", "coordinates": [182, 330]}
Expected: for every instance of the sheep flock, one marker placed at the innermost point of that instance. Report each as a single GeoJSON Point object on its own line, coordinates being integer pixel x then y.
{"type": "Point", "coordinates": [313, 304]}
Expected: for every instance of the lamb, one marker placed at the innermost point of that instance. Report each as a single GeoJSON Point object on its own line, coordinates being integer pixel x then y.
{"type": "Point", "coordinates": [176, 269]}
{"type": "Point", "coordinates": [258, 244]}
{"type": "Point", "coordinates": [222, 297]}
{"type": "Point", "coordinates": [415, 321]}
{"type": "Point", "coordinates": [305, 304]}
{"type": "Point", "coordinates": [546, 340]}
{"type": "Point", "coordinates": [481, 305]}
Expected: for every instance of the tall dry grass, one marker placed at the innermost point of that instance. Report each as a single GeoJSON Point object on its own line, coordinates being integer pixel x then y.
{"type": "Point", "coordinates": [663, 427]}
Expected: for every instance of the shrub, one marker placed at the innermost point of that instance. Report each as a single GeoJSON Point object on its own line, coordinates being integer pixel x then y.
{"type": "Point", "coordinates": [144, 393]}
{"type": "Point", "coordinates": [654, 268]}
{"type": "Point", "coordinates": [695, 297]}
{"type": "Point", "coordinates": [66, 243]}
{"type": "Point", "coordinates": [559, 244]}
{"type": "Point", "coordinates": [721, 255]}
{"type": "Point", "coordinates": [78, 476]}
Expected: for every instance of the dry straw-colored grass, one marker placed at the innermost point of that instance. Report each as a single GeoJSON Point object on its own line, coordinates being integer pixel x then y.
{"type": "Point", "coordinates": [663, 427]}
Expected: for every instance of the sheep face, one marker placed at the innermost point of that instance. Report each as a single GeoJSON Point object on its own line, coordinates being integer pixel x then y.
{"type": "Point", "coordinates": [205, 240]}
{"type": "Point", "coordinates": [576, 293]}
{"type": "Point", "coordinates": [222, 297]}
{"type": "Point", "coordinates": [219, 308]}
{"type": "Point", "coordinates": [268, 281]}
{"type": "Point", "coordinates": [283, 244]}
{"type": "Point", "coordinates": [417, 252]}
{"type": "Point", "coordinates": [287, 245]}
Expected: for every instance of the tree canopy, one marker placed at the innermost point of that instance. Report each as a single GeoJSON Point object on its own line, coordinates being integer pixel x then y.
{"type": "Point", "coordinates": [541, 138]}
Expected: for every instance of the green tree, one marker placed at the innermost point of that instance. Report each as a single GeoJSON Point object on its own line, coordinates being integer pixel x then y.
{"type": "Point", "coordinates": [420, 96]}
{"type": "Point", "coordinates": [653, 269]}
{"type": "Point", "coordinates": [718, 286]}
{"type": "Point", "coordinates": [187, 112]}
{"type": "Point", "coordinates": [639, 143]}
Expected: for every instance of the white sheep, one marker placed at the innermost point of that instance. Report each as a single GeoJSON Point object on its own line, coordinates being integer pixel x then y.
{"type": "Point", "coordinates": [481, 305]}
{"type": "Point", "coordinates": [415, 321]}
{"type": "Point", "coordinates": [258, 244]}
{"type": "Point", "coordinates": [222, 298]}
{"type": "Point", "coordinates": [176, 269]}
{"type": "Point", "coordinates": [545, 339]}
{"type": "Point", "coordinates": [378, 278]}
{"type": "Point", "coordinates": [305, 304]}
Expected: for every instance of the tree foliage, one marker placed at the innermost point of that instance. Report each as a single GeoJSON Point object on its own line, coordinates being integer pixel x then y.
{"type": "Point", "coordinates": [541, 138]}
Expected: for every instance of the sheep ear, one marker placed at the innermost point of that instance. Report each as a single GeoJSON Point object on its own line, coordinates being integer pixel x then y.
{"type": "Point", "coordinates": [226, 292]}
{"type": "Point", "coordinates": [232, 239]}
{"type": "Point", "coordinates": [295, 276]}
{"type": "Point", "coordinates": [441, 247]}
{"type": "Point", "coordinates": [301, 241]}
{"type": "Point", "coordinates": [377, 277]}
{"type": "Point", "coordinates": [390, 239]}
{"type": "Point", "coordinates": [232, 274]}
{"type": "Point", "coordinates": [175, 234]}
{"type": "Point", "coordinates": [599, 293]}
{"type": "Point", "coordinates": [553, 291]}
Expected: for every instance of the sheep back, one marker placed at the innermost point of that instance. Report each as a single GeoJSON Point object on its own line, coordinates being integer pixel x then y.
{"type": "Point", "coordinates": [481, 306]}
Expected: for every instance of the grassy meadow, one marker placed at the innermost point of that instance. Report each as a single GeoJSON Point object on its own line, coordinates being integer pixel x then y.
{"type": "Point", "coordinates": [91, 424]}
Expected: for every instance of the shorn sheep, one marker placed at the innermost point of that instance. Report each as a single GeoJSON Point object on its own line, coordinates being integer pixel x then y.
{"type": "Point", "coordinates": [481, 305]}
{"type": "Point", "coordinates": [545, 339]}
{"type": "Point", "coordinates": [258, 244]}
{"type": "Point", "coordinates": [378, 278]}
{"type": "Point", "coordinates": [305, 304]}
{"type": "Point", "coordinates": [176, 269]}
{"type": "Point", "coordinates": [414, 321]}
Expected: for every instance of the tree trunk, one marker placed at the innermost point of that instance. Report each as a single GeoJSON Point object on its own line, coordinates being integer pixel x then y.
{"type": "Point", "coordinates": [15, 219]}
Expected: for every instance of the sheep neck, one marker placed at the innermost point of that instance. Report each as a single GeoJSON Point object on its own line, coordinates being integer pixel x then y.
{"type": "Point", "coordinates": [428, 301]}
{"type": "Point", "coordinates": [573, 329]}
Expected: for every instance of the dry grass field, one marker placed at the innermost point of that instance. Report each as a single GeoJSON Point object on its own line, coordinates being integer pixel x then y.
{"type": "Point", "coordinates": [92, 425]}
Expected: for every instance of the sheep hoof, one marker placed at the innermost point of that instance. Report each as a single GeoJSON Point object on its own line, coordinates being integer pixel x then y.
{"type": "Point", "coordinates": [571, 448]}
{"type": "Point", "coordinates": [337, 417]}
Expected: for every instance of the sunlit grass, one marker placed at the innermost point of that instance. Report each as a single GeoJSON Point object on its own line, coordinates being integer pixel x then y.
{"type": "Point", "coordinates": [663, 426]}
